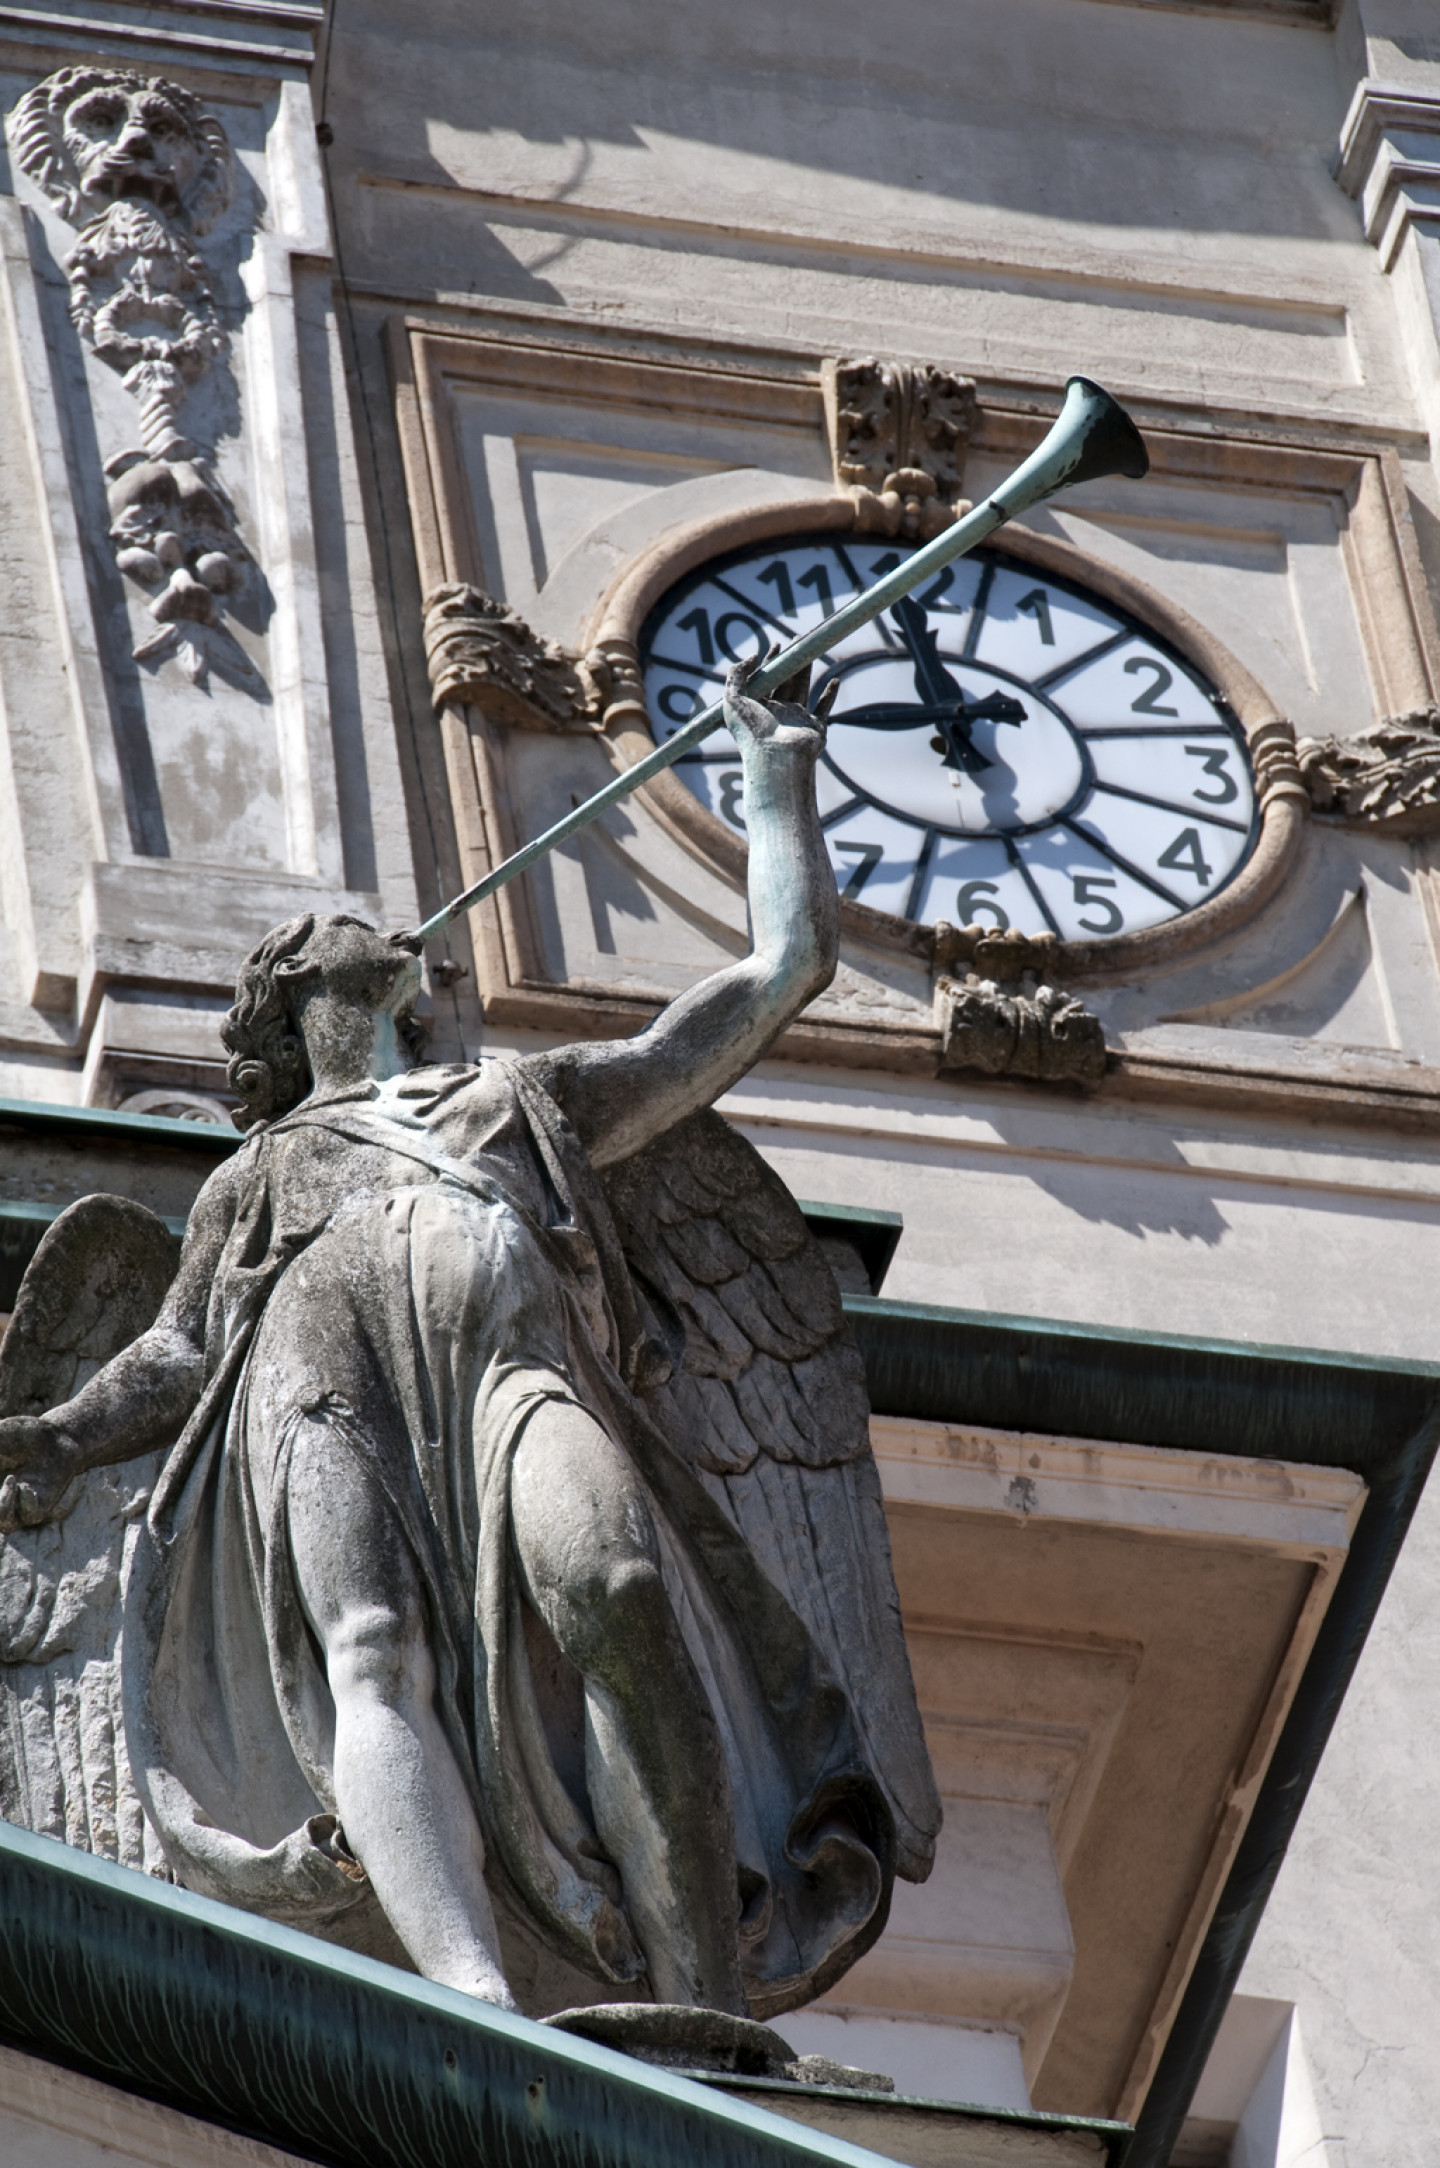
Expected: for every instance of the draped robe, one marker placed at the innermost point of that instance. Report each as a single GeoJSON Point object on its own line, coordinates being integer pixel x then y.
{"type": "Point", "coordinates": [412, 1271]}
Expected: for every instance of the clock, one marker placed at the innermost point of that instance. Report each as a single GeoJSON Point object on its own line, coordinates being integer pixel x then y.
{"type": "Point", "coordinates": [1005, 748]}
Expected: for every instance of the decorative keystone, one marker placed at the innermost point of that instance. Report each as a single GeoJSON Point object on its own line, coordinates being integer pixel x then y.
{"type": "Point", "coordinates": [898, 435]}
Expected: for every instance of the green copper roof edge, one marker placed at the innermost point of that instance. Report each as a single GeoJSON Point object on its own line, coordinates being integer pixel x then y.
{"type": "Point", "coordinates": [123, 1128]}
{"type": "Point", "coordinates": [1142, 1337]}
{"type": "Point", "coordinates": [870, 1215]}
{"type": "Point", "coordinates": [1020, 2118]}
{"type": "Point", "coordinates": [268, 2031]}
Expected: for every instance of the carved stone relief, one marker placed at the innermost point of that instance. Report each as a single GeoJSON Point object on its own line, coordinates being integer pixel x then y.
{"type": "Point", "coordinates": [479, 650]}
{"type": "Point", "coordinates": [144, 172]}
{"type": "Point", "coordinates": [1003, 1017]}
{"type": "Point", "coordinates": [1386, 777]}
{"type": "Point", "coordinates": [898, 433]}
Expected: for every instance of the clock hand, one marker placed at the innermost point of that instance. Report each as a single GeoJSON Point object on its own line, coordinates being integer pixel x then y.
{"type": "Point", "coordinates": [945, 701]}
{"type": "Point", "coordinates": [933, 681]}
{"type": "Point", "coordinates": [956, 714]}
{"type": "Point", "coordinates": [907, 715]}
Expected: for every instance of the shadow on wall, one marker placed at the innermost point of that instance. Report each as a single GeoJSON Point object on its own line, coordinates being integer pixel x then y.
{"type": "Point", "coordinates": [821, 89]}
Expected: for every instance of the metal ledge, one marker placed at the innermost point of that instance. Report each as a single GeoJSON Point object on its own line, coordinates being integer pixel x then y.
{"type": "Point", "coordinates": [1379, 1417]}
{"type": "Point", "coordinates": [332, 2056]}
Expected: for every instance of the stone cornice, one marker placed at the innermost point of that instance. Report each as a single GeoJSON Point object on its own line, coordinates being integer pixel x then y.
{"type": "Point", "coordinates": [269, 34]}
{"type": "Point", "coordinates": [1389, 161]}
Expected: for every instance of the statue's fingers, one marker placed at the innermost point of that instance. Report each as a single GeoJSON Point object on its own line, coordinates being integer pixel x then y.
{"type": "Point", "coordinates": [9, 1505]}
{"type": "Point", "coordinates": [741, 672]}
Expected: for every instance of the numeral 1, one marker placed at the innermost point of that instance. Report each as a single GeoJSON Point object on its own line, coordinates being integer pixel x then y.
{"type": "Point", "coordinates": [1037, 605]}
{"type": "Point", "coordinates": [818, 578]}
{"type": "Point", "coordinates": [778, 577]}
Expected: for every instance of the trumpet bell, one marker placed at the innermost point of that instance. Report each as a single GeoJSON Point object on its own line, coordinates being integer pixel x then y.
{"type": "Point", "coordinates": [1092, 435]}
{"type": "Point", "coordinates": [1109, 442]}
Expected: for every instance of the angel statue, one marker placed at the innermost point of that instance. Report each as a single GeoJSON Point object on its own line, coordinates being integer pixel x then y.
{"type": "Point", "coordinates": [513, 1599]}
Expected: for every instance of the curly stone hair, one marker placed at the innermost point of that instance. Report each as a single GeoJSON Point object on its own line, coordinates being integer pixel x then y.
{"type": "Point", "coordinates": [269, 1070]}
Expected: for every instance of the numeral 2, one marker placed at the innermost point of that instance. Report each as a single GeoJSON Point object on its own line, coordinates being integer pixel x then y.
{"type": "Point", "coordinates": [1148, 702]}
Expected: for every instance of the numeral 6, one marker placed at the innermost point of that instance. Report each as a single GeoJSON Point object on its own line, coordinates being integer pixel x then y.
{"type": "Point", "coordinates": [976, 896]}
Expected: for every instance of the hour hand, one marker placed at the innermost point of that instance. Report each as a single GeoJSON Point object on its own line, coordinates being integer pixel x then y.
{"type": "Point", "coordinates": [945, 701]}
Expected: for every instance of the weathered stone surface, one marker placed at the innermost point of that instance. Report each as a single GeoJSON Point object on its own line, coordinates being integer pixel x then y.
{"type": "Point", "coordinates": [1002, 1018]}
{"type": "Point", "coordinates": [94, 1285]}
{"type": "Point", "coordinates": [426, 1380]}
{"type": "Point", "coordinates": [1386, 777]}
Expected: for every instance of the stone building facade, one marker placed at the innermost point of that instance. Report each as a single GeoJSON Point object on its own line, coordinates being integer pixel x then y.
{"type": "Point", "coordinates": [410, 413]}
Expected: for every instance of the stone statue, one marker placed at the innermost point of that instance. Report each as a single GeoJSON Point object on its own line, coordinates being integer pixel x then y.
{"type": "Point", "coordinates": [514, 1600]}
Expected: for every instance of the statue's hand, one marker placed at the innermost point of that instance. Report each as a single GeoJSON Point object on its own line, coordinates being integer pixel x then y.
{"type": "Point", "coordinates": [39, 1463]}
{"type": "Point", "coordinates": [781, 724]}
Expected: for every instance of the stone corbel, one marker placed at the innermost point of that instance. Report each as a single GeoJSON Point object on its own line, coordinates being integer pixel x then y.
{"type": "Point", "coordinates": [999, 1015]}
{"type": "Point", "coordinates": [482, 653]}
{"type": "Point", "coordinates": [1385, 778]}
{"type": "Point", "coordinates": [898, 434]}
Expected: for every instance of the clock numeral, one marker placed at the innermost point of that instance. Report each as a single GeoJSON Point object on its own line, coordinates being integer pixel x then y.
{"type": "Point", "coordinates": [1147, 703]}
{"type": "Point", "coordinates": [1087, 888]}
{"type": "Point", "coordinates": [1037, 605]}
{"type": "Point", "coordinates": [1184, 855]}
{"type": "Point", "coordinates": [976, 896]}
{"type": "Point", "coordinates": [732, 788]}
{"type": "Point", "coordinates": [698, 622]}
{"type": "Point", "coordinates": [867, 857]}
{"type": "Point", "coordinates": [677, 703]}
{"type": "Point", "coordinates": [778, 577]}
{"type": "Point", "coordinates": [818, 578]}
{"type": "Point", "coordinates": [1214, 764]}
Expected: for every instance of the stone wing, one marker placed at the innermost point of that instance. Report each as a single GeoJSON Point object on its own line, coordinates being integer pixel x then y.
{"type": "Point", "coordinates": [94, 1285]}
{"type": "Point", "coordinates": [767, 1400]}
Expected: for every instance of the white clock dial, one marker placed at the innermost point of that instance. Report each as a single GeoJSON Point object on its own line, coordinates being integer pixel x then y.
{"type": "Point", "coordinates": [1004, 749]}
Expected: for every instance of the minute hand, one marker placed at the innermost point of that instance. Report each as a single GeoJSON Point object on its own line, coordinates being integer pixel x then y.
{"type": "Point", "coordinates": [953, 712]}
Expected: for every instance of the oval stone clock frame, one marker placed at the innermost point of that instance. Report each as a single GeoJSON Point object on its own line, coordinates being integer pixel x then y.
{"type": "Point", "coordinates": [1282, 798]}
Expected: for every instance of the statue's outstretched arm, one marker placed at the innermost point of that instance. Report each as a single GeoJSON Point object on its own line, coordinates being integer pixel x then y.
{"type": "Point", "coordinates": [619, 1093]}
{"type": "Point", "coordinates": [140, 1398]}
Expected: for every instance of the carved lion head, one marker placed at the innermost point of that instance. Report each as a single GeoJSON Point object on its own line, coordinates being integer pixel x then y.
{"type": "Point", "coordinates": [90, 136]}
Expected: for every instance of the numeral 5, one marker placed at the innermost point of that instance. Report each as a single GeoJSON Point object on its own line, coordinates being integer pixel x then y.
{"type": "Point", "coordinates": [1087, 887]}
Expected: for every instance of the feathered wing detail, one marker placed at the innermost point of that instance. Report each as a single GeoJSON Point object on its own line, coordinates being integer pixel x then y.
{"type": "Point", "coordinates": [95, 1284]}
{"type": "Point", "coordinates": [767, 1400]}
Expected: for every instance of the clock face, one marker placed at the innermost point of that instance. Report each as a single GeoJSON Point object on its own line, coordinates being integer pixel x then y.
{"type": "Point", "coordinates": [1004, 749]}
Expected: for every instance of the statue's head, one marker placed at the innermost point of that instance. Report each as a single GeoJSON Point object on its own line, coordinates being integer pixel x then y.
{"type": "Point", "coordinates": [265, 1030]}
{"type": "Point", "coordinates": [90, 136]}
